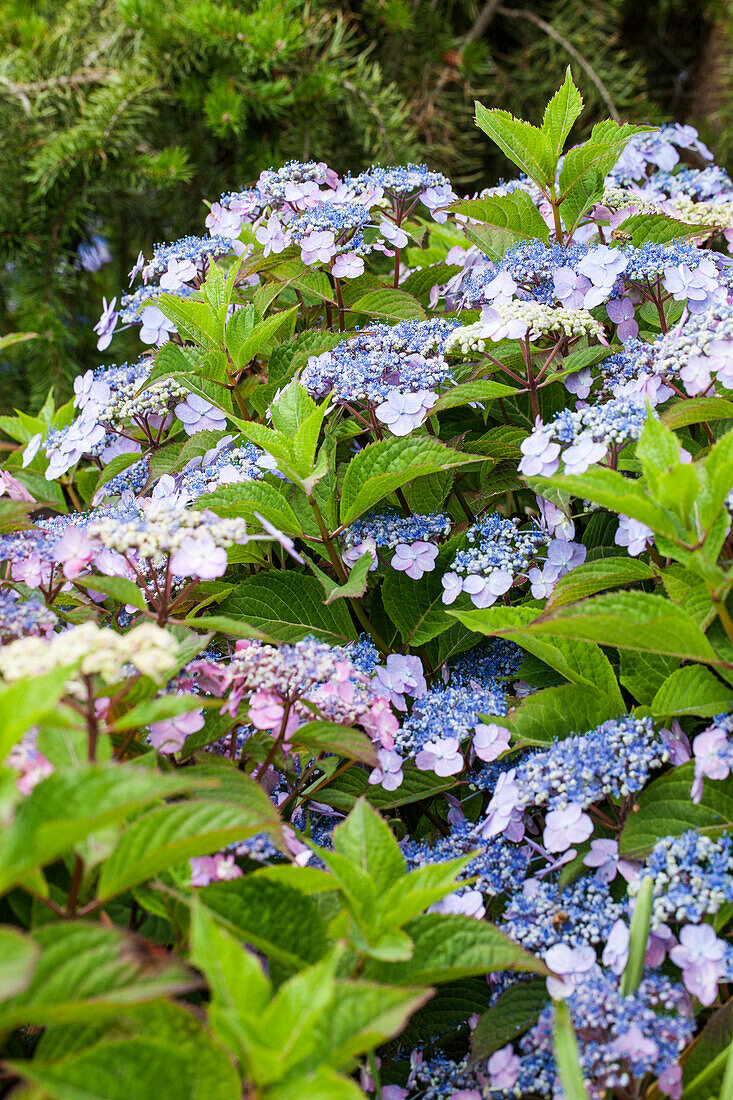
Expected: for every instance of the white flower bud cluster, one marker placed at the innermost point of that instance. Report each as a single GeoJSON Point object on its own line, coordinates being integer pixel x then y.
{"type": "Point", "coordinates": [542, 320]}
{"type": "Point", "coordinates": [160, 529]}
{"type": "Point", "coordinates": [517, 319]}
{"type": "Point", "coordinates": [469, 340]}
{"type": "Point", "coordinates": [156, 400]}
{"type": "Point", "coordinates": [96, 650]}
{"type": "Point", "coordinates": [619, 198]}
{"type": "Point", "coordinates": [704, 213]}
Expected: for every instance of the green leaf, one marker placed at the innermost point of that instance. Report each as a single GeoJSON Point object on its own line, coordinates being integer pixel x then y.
{"type": "Point", "coordinates": [119, 588]}
{"type": "Point", "coordinates": [380, 468]}
{"type": "Point", "coordinates": [85, 971]}
{"type": "Point", "coordinates": [194, 320]}
{"type": "Point", "coordinates": [561, 112]}
{"type": "Point", "coordinates": [169, 835]}
{"type": "Point", "coordinates": [114, 467]}
{"type": "Point", "coordinates": [249, 497]}
{"type": "Point", "coordinates": [702, 1071]}
{"type": "Point", "coordinates": [276, 919]}
{"type": "Point", "coordinates": [343, 792]}
{"type": "Point", "coordinates": [155, 710]}
{"type": "Point", "coordinates": [614, 491]}
{"type": "Point", "coordinates": [570, 708]}
{"type": "Point", "coordinates": [25, 703]}
{"type": "Point", "coordinates": [598, 155]}
{"type": "Point", "coordinates": [449, 946]}
{"type": "Point", "coordinates": [526, 146]}
{"type": "Point", "coordinates": [644, 673]}
{"type": "Point", "coordinates": [234, 975]}
{"type": "Point", "coordinates": [638, 938]}
{"type": "Point", "coordinates": [244, 343]}
{"type": "Point", "coordinates": [697, 410]}
{"type": "Point", "coordinates": [323, 1083]}
{"type": "Point", "coordinates": [142, 1067]}
{"type": "Point", "coordinates": [18, 957]}
{"type": "Point", "coordinates": [665, 808]}
{"type": "Point", "coordinates": [69, 805]}
{"type": "Point", "coordinates": [629, 620]}
{"type": "Point", "coordinates": [692, 690]}
{"type": "Point", "coordinates": [421, 282]}
{"type": "Point", "coordinates": [657, 229]}
{"type": "Point", "coordinates": [288, 606]}
{"type": "Point", "coordinates": [566, 1054]}
{"type": "Point", "coordinates": [505, 221]}
{"type": "Point", "coordinates": [367, 841]}
{"type": "Point", "coordinates": [595, 576]}
{"type": "Point", "coordinates": [513, 1013]}
{"type": "Point", "coordinates": [360, 1017]}
{"type": "Point", "coordinates": [412, 894]}
{"type": "Point", "coordinates": [394, 305]}
{"type": "Point", "coordinates": [321, 737]}
{"type": "Point", "coordinates": [416, 607]}
{"type": "Point", "coordinates": [355, 586]}
{"type": "Point", "coordinates": [470, 392]}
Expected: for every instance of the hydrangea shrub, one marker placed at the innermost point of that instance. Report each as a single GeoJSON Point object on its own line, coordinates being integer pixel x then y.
{"type": "Point", "coordinates": [366, 674]}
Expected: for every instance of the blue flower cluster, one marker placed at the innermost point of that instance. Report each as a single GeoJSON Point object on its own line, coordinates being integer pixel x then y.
{"type": "Point", "coordinates": [387, 528]}
{"type": "Point", "coordinates": [692, 876]}
{"type": "Point", "coordinates": [656, 150]}
{"type": "Point", "coordinates": [541, 915]}
{"type": "Point", "coordinates": [339, 218]}
{"type": "Point", "coordinates": [440, 1077]}
{"type": "Point", "coordinates": [611, 424]}
{"type": "Point", "coordinates": [612, 760]}
{"type": "Point", "coordinates": [497, 867]}
{"type": "Point", "coordinates": [620, 1038]}
{"type": "Point", "coordinates": [21, 618]}
{"type": "Point", "coordinates": [497, 659]}
{"type": "Point", "coordinates": [407, 357]}
{"type": "Point", "coordinates": [195, 249]}
{"type": "Point", "coordinates": [448, 712]}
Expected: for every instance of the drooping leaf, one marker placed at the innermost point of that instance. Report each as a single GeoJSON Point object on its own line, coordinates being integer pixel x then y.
{"type": "Point", "coordinates": [85, 971]}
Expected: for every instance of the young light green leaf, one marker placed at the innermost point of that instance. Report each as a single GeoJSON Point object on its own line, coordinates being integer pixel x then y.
{"type": "Point", "coordinates": [70, 804]}
{"type": "Point", "coordinates": [450, 946]}
{"type": "Point", "coordinates": [525, 145]}
{"type": "Point", "coordinates": [244, 342]}
{"type": "Point", "coordinates": [470, 392]}
{"type": "Point", "coordinates": [628, 620]}
{"type": "Point", "coordinates": [18, 957]}
{"type": "Point", "coordinates": [140, 1067]}
{"type": "Point", "coordinates": [168, 835]}
{"type": "Point", "coordinates": [561, 112]}
{"type": "Point", "coordinates": [566, 1054]}
{"type": "Point", "coordinates": [25, 703]}
{"type": "Point", "coordinates": [235, 976]}
{"type": "Point", "coordinates": [638, 938]}
{"type": "Point", "coordinates": [366, 840]}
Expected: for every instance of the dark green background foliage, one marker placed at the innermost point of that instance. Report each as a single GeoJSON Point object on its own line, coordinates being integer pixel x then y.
{"type": "Point", "coordinates": [120, 116]}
